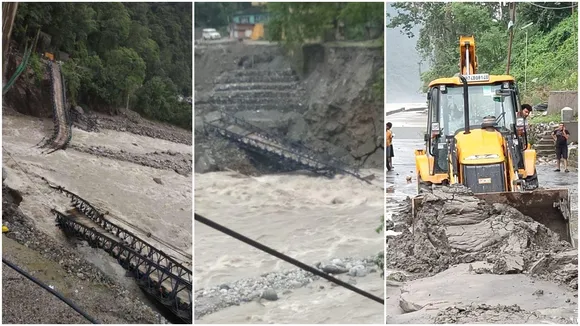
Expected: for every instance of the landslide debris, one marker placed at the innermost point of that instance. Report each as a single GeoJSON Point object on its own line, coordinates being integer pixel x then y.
{"type": "Point", "coordinates": [454, 227]}
{"type": "Point", "coordinates": [499, 314]}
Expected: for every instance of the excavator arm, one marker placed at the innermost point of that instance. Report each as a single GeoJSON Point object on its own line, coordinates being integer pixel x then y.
{"type": "Point", "coordinates": [467, 59]}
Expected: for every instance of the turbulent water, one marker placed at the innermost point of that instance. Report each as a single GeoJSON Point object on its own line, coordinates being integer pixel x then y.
{"type": "Point", "coordinates": [309, 218]}
{"type": "Point", "coordinates": [126, 190]}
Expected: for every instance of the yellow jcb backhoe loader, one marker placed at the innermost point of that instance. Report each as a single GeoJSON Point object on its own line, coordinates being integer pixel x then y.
{"type": "Point", "coordinates": [477, 137]}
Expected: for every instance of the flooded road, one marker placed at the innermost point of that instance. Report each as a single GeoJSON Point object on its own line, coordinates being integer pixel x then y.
{"type": "Point", "coordinates": [457, 285]}
{"type": "Point", "coordinates": [309, 218]}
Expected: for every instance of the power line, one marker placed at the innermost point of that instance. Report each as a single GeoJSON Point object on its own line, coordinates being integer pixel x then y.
{"type": "Point", "coordinates": [285, 258]}
{"type": "Point", "coordinates": [53, 292]}
{"type": "Point", "coordinates": [553, 8]}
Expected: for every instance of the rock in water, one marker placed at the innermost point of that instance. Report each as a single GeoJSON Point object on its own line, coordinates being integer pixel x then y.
{"type": "Point", "coordinates": [270, 294]}
{"type": "Point", "coordinates": [333, 269]}
{"type": "Point", "coordinates": [158, 181]}
{"type": "Point", "coordinates": [358, 271]}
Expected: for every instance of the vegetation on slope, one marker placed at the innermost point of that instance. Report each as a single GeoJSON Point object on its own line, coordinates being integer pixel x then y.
{"type": "Point", "coordinates": [552, 41]}
{"type": "Point", "coordinates": [135, 55]}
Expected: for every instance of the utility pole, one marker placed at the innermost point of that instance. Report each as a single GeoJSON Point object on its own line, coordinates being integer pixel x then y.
{"type": "Point", "coordinates": [513, 22]}
{"type": "Point", "coordinates": [8, 14]}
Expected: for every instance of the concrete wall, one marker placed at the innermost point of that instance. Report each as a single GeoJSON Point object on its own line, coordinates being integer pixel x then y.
{"type": "Point", "coordinates": [573, 129]}
{"type": "Point", "coordinates": [561, 99]}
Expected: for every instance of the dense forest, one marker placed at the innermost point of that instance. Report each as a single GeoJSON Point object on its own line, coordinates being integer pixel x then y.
{"type": "Point", "coordinates": [552, 46]}
{"type": "Point", "coordinates": [297, 21]}
{"type": "Point", "coordinates": [135, 55]}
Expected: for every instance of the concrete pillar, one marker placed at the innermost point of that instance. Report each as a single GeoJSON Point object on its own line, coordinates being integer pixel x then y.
{"type": "Point", "coordinates": [566, 114]}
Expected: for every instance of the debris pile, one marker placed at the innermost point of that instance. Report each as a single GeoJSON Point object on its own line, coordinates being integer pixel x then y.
{"type": "Point", "coordinates": [452, 227]}
{"type": "Point", "coordinates": [499, 314]}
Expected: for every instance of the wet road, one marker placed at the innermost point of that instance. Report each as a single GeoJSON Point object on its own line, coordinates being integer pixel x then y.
{"type": "Point", "coordinates": [408, 128]}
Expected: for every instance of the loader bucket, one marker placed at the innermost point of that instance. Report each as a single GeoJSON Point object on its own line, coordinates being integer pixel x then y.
{"type": "Point", "coordinates": [550, 207]}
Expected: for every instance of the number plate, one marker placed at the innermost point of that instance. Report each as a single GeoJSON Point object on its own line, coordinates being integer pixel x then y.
{"type": "Point", "coordinates": [477, 77]}
{"type": "Point", "coordinates": [483, 181]}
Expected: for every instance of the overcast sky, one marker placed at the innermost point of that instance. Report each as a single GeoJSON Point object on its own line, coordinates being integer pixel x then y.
{"type": "Point", "coordinates": [403, 72]}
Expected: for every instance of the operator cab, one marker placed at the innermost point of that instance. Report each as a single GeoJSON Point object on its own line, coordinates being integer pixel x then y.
{"type": "Point", "coordinates": [492, 106]}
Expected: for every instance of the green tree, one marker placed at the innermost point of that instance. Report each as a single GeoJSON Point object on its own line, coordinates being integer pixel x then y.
{"type": "Point", "coordinates": [115, 48]}
{"type": "Point", "coordinates": [552, 43]}
{"type": "Point", "coordinates": [125, 72]}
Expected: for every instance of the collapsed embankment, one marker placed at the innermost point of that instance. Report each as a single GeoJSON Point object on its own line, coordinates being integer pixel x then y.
{"type": "Point", "coordinates": [326, 103]}
{"type": "Point", "coordinates": [460, 251]}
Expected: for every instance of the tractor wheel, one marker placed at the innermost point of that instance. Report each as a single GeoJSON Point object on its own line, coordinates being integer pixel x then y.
{"type": "Point", "coordinates": [423, 186]}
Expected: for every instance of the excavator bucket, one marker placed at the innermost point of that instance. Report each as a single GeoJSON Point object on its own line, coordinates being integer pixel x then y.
{"type": "Point", "coordinates": [550, 207]}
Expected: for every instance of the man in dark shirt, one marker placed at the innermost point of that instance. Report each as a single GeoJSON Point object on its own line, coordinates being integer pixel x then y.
{"type": "Point", "coordinates": [560, 137]}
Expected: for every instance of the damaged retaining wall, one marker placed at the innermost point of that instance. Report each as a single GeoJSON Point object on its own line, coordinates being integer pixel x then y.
{"type": "Point", "coordinates": [330, 109]}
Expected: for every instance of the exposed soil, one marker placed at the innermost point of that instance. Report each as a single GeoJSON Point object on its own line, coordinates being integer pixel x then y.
{"type": "Point", "coordinates": [166, 160]}
{"type": "Point", "coordinates": [329, 108]}
{"type": "Point", "coordinates": [454, 227]}
{"type": "Point", "coordinates": [480, 257]}
{"type": "Point", "coordinates": [498, 314]}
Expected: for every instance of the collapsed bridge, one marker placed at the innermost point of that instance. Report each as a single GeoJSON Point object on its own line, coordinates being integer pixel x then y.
{"type": "Point", "coordinates": [291, 155]}
{"type": "Point", "coordinates": [157, 273]}
{"type": "Point", "coordinates": [62, 133]}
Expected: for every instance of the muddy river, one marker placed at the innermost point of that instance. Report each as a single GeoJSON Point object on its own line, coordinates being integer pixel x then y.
{"type": "Point", "coordinates": [126, 190]}
{"type": "Point", "coordinates": [312, 219]}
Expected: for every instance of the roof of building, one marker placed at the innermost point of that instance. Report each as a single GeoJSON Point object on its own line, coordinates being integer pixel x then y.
{"type": "Point", "coordinates": [254, 10]}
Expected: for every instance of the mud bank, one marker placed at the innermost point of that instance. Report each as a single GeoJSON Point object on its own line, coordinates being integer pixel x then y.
{"type": "Point", "coordinates": [488, 260]}
{"type": "Point", "coordinates": [499, 314]}
{"type": "Point", "coordinates": [131, 122]}
{"type": "Point", "coordinates": [166, 160]}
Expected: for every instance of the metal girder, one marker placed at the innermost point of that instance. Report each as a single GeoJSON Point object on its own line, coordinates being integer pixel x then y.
{"type": "Point", "coordinates": [293, 146]}
{"type": "Point", "coordinates": [55, 116]}
{"type": "Point", "coordinates": [150, 273]}
{"type": "Point", "coordinates": [275, 150]}
{"type": "Point", "coordinates": [128, 237]}
{"type": "Point", "coordinates": [164, 278]}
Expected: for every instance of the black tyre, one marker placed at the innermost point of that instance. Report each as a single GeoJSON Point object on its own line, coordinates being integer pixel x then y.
{"type": "Point", "coordinates": [423, 186]}
{"type": "Point", "coordinates": [532, 182]}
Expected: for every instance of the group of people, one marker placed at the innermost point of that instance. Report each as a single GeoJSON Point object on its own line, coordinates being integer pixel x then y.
{"type": "Point", "coordinates": [560, 137]}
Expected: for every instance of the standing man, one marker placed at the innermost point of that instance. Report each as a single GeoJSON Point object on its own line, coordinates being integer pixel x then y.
{"type": "Point", "coordinates": [560, 137]}
{"type": "Point", "coordinates": [389, 148]}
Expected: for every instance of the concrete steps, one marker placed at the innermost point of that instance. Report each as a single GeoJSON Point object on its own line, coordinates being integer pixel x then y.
{"type": "Point", "coordinates": [232, 108]}
{"type": "Point", "coordinates": [256, 86]}
{"type": "Point", "coordinates": [272, 101]}
{"type": "Point", "coordinates": [227, 79]}
{"type": "Point", "coordinates": [246, 94]}
{"type": "Point", "coordinates": [257, 72]}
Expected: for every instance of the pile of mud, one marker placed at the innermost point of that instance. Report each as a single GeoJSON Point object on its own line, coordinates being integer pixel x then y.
{"type": "Point", "coordinates": [499, 314]}
{"type": "Point", "coordinates": [166, 160]}
{"type": "Point", "coordinates": [454, 227]}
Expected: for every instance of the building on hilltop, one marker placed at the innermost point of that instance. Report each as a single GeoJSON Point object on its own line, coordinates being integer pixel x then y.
{"type": "Point", "coordinates": [249, 23]}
